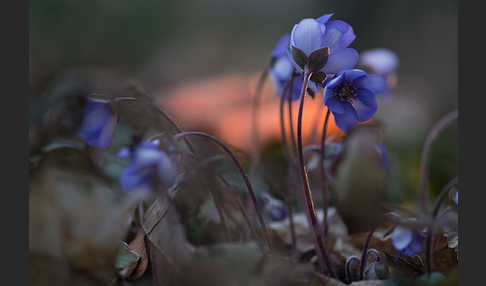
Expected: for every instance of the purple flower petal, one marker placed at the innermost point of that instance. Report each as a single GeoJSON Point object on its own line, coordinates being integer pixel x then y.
{"type": "Point", "coordinates": [323, 19]}
{"type": "Point", "coordinates": [364, 104]}
{"type": "Point", "coordinates": [99, 123]}
{"type": "Point", "coordinates": [166, 170]}
{"type": "Point", "coordinates": [401, 237]}
{"type": "Point", "coordinates": [346, 120]}
{"type": "Point", "coordinates": [283, 68]}
{"type": "Point", "coordinates": [348, 35]}
{"type": "Point", "coordinates": [135, 177]}
{"type": "Point", "coordinates": [372, 82]}
{"type": "Point", "coordinates": [382, 61]}
{"type": "Point", "coordinates": [414, 247]}
{"type": "Point", "coordinates": [281, 47]}
{"type": "Point", "coordinates": [338, 35]}
{"type": "Point", "coordinates": [306, 35]}
{"type": "Point", "coordinates": [337, 80]}
{"type": "Point", "coordinates": [351, 75]}
{"type": "Point", "coordinates": [341, 60]}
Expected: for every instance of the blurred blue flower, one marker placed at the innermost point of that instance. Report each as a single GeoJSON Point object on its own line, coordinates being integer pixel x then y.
{"type": "Point", "coordinates": [382, 62]}
{"type": "Point", "coordinates": [313, 34]}
{"type": "Point", "coordinates": [282, 70]}
{"type": "Point", "coordinates": [350, 96]}
{"type": "Point", "coordinates": [407, 241]}
{"type": "Point", "coordinates": [148, 165]}
{"type": "Point", "coordinates": [274, 209]}
{"type": "Point", "coordinates": [99, 123]}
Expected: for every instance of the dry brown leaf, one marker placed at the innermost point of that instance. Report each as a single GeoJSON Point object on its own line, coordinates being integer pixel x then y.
{"type": "Point", "coordinates": [138, 246]}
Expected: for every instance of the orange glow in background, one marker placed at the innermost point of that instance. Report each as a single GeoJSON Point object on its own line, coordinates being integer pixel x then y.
{"type": "Point", "coordinates": [222, 106]}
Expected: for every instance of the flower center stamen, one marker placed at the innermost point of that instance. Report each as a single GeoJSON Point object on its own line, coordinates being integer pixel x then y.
{"type": "Point", "coordinates": [346, 92]}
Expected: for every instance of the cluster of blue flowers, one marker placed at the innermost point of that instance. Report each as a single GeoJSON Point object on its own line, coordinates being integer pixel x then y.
{"type": "Point", "coordinates": [148, 162]}
{"type": "Point", "coordinates": [348, 93]}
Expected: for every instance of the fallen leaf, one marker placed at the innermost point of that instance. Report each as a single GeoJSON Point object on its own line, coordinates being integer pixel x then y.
{"type": "Point", "coordinates": [126, 261]}
{"type": "Point", "coordinates": [138, 246]}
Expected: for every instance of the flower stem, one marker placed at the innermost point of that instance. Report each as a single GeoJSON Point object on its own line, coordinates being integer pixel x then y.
{"type": "Point", "coordinates": [433, 134]}
{"type": "Point", "coordinates": [364, 254]}
{"type": "Point", "coordinates": [243, 174]}
{"type": "Point", "coordinates": [323, 177]}
{"type": "Point", "coordinates": [291, 117]}
{"type": "Point", "coordinates": [347, 271]}
{"type": "Point", "coordinates": [285, 145]}
{"type": "Point", "coordinates": [286, 152]}
{"type": "Point", "coordinates": [310, 210]}
{"type": "Point", "coordinates": [440, 199]}
{"type": "Point", "coordinates": [254, 120]}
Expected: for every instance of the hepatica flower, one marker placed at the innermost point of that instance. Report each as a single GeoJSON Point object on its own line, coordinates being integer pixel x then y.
{"type": "Point", "coordinates": [273, 208]}
{"type": "Point", "coordinates": [350, 96]}
{"type": "Point", "coordinates": [149, 165]}
{"type": "Point", "coordinates": [407, 241]}
{"type": "Point", "coordinates": [312, 35]}
{"type": "Point", "coordinates": [282, 69]}
{"type": "Point", "coordinates": [382, 62]}
{"type": "Point", "coordinates": [99, 122]}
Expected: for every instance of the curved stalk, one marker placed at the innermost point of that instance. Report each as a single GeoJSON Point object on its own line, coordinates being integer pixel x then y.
{"type": "Point", "coordinates": [285, 145]}
{"type": "Point", "coordinates": [364, 254]}
{"type": "Point", "coordinates": [242, 172]}
{"type": "Point", "coordinates": [254, 122]}
{"type": "Point", "coordinates": [323, 176]}
{"type": "Point", "coordinates": [347, 274]}
{"type": "Point", "coordinates": [424, 161]}
{"type": "Point", "coordinates": [307, 196]}
{"type": "Point", "coordinates": [291, 117]}
{"type": "Point", "coordinates": [430, 232]}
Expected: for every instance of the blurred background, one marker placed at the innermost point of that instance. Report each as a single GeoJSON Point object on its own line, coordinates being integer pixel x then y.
{"type": "Point", "coordinates": [201, 59]}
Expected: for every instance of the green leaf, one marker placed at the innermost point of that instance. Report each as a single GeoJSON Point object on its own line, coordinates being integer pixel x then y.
{"type": "Point", "coordinates": [318, 59]}
{"type": "Point", "coordinates": [299, 57]}
{"type": "Point", "coordinates": [318, 77]}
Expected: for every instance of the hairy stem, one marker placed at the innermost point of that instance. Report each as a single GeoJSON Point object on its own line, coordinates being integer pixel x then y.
{"type": "Point", "coordinates": [254, 120]}
{"type": "Point", "coordinates": [430, 232]}
{"type": "Point", "coordinates": [424, 162]}
{"type": "Point", "coordinates": [323, 177]}
{"type": "Point", "coordinates": [310, 210]}
{"type": "Point", "coordinates": [347, 271]}
{"type": "Point", "coordinates": [243, 174]}
{"type": "Point", "coordinates": [291, 117]}
{"type": "Point", "coordinates": [285, 145]}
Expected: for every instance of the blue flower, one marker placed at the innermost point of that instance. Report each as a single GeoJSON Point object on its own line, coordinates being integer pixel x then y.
{"type": "Point", "coordinates": [99, 123]}
{"type": "Point", "coordinates": [148, 165]}
{"type": "Point", "coordinates": [407, 241]}
{"type": "Point", "coordinates": [350, 96]}
{"type": "Point", "coordinates": [313, 34]}
{"type": "Point", "coordinates": [282, 70]}
{"type": "Point", "coordinates": [273, 208]}
{"type": "Point", "coordinates": [384, 63]}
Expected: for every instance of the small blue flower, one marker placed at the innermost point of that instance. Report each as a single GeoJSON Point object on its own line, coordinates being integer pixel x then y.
{"type": "Point", "coordinates": [149, 164]}
{"type": "Point", "coordinates": [99, 123]}
{"type": "Point", "coordinates": [273, 208]}
{"type": "Point", "coordinates": [407, 241]}
{"type": "Point", "coordinates": [313, 34]}
{"type": "Point", "coordinates": [350, 96]}
{"type": "Point", "coordinates": [282, 70]}
{"type": "Point", "coordinates": [384, 63]}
